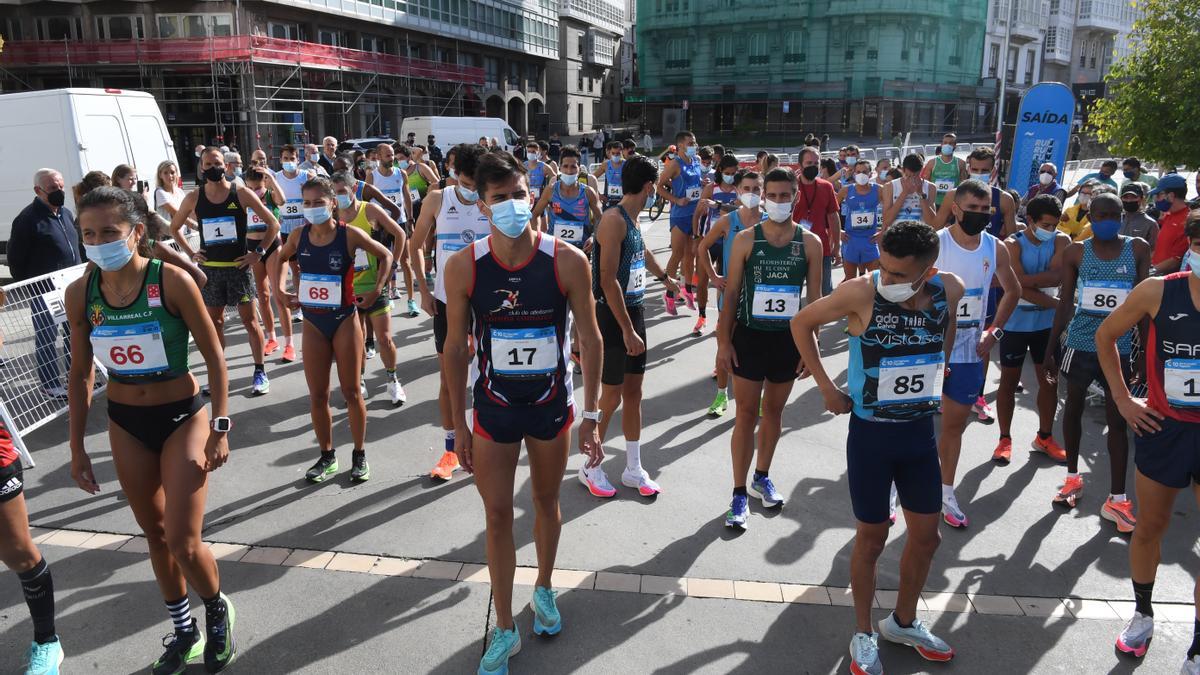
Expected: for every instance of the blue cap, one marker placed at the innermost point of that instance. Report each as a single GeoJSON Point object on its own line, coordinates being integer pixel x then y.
{"type": "Point", "coordinates": [1168, 182]}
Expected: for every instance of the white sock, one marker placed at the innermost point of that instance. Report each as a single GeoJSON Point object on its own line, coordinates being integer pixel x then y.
{"type": "Point", "coordinates": [1119, 498]}
{"type": "Point", "coordinates": [1072, 475]}
{"type": "Point", "coordinates": [633, 456]}
{"type": "Point", "coordinates": [270, 336]}
{"type": "Point", "coordinates": [287, 340]}
{"type": "Point", "coordinates": [947, 492]}
{"type": "Point", "coordinates": [723, 390]}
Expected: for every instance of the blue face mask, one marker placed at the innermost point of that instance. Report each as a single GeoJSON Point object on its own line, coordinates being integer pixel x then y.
{"type": "Point", "coordinates": [1043, 234]}
{"type": "Point", "coordinates": [403, 164]}
{"type": "Point", "coordinates": [110, 257]}
{"type": "Point", "coordinates": [691, 151]}
{"type": "Point", "coordinates": [1192, 259]}
{"type": "Point", "coordinates": [317, 214]}
{"type": "Point", "coordinates": [467, 195]}
{"type": "Point", "coordinates": [947, 149]}
{"type": "Point", "coordinates": [1163, 205]}
{"type": "Point", "coordinates": [511, 216]}
{"type": "Point", "coordinates": [728, 178]}
{"type": "Point", "coordinates": [1106, 230]}
{"type": "Point", "coordinates": [289, 167]}
{"type": "Point", "coordinates": [343, 201]}
{"type": "Point", "coordinates": [568, 178]}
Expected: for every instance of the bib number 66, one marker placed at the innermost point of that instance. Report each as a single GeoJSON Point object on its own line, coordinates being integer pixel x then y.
{"type": "Point", "coordinates": [126, 355]}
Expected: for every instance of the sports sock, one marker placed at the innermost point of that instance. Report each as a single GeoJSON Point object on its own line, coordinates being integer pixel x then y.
{"type": "Point", "coordinates": [1194, 650]}
{"type": "Point", "coordinates": [947, 492]}
{"type": "Point", "coordinates": [258, 368]}
{"type": "Point", "coordinates": [1119, 498]}
{"type": "Point", "coordinates": [897, 620]}
{"type": "Point", "coordinates": [739, 491]}
{"type": "Point", "coordinates": [450, 441]}
{"type": "Point", "coordinates": [38, 587]}
{"type": "Point", "coordinates": [759, 475]}
{"type": "Point", "coordinates": [1004, 436]}
{"type": "Point", "coordinates": [691, 288]}
{"type": "Point", "coordinates": [214, 611]}
{"type": "Point", "coordinates": [391, 373]}
{"type": "Point", "coordinates": [702, 312]}
{"type": "Point", "coordinates": [1043, 434]}
{"type": "Point", "coordinates": [181, 614]}
{"type": "Point", "coordinates": [723, 390]}
{"type": "Point", "coordinates": [633, 455]}
{"type": "Point", "coordinates": [287, 340]}
{"type": "Point", "coordinates": [1141, 597]}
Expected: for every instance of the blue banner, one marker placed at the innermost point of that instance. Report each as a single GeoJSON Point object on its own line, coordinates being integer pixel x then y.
{"type": "Point", "coordinates": [1043, 133]}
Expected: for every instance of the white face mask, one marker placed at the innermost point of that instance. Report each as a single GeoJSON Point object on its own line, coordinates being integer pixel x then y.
{"type": "Point", "coordinates": [982, 177]}
{"type": "Point", "coordinates": [862, 178]}
{"type": "Point", "coordinates": [1045, 178]}
{"type": "Point", "coordinates": [749, 200]}
{"type": "Point", "coordinates": [897, 292]}
{"type": "Point", "coordinates": [1085, 200]}
{"type": "Point", "coordinates": [779, 212]}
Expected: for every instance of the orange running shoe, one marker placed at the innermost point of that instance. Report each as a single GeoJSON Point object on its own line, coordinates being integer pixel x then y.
{"type": "Point", "coordinates": [289, 354]}
{"type": "Point", "coordinates": [1120, 513]}
{"type": "Point", "coordinates": [445, 467]}
{"type": "Point", "coordinates": [1003, 452]}
{"type": "Point", "coordinates": [698, 329]}
{"type": "Point", "coordinates": [1070, 491]}
{"type": "Point", "coordinates": [270, 347]}
{"type": "Point", "coordinates": [1053, 450]}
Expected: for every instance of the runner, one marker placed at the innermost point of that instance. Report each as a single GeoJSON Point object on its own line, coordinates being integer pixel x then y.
{"type": "Point", "coordinates": [1098, 275]}
{"type": "Point", "coordinates": [721, 235]}
{"type": "Point", "coordinates": [769, 265]}
{"type": "Point", "coordinates": [454, 217]}
{"type": "Point", "coordinates": [135, 315]}
{"type": "Point", "coordinates": [524, 389]}
{"type": "Point", "coordinates": [218, 207]}
{"type": "Point", "coordinates": [539, 175]}
{"type": "Point", "coordinates": [390, 178]}
{"type": "Point", "coordinates": [680, 185]}
{"type": "Point", "coordinates": [262, 183]}
{"type": "Point", "coordinates": [326, 251]}
{"type": "Point", "coordinates": [901, 334]}
{"type": "Point", "coordinates": [610, 170]}
{"type": "Point", "coordinates": [976, 257]}
{"type": "Point", "coordinates": [946, 171]}
{"type": "Point", "coordinates": [862, 214]}
{"type": "Point", "coordinates": [572, 207]}
{"type": "Point", "coordinates": [910, 197]}
{"type": "Point", "coordinates": [619, 285]}
{"type": "Point", "coordinates": [717, 197]}
{"type": "Point", "coordinates": [1036, 254]}
{"type": "Point", "coordinates": [375, 223]}
{"type": "Point", "coordinates": [290, 180]}
{"type": "Point", "coordinates": [1166, 423]}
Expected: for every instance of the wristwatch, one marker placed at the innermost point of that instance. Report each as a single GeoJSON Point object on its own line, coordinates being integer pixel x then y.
{"type": "Point", "coordinates": [592, 415]}
{"type": "Point", "coordinates": [996, 332]}
{"type": "Point", "coordinates": [260, 250]}
{"type": "Point", "coordinates": [222, 425]}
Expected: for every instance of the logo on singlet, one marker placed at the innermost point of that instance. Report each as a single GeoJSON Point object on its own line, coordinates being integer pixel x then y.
{"type": "Point", "coordinates": [1176, 317]}
{"type": "Point", "coordinates": [231, 207]}
{"type": "Point", "coordinates": [468, 236]}
{"type": "Point", "coordinates": [452, 209]}
{"type": "Point", "coordinates": [335, 262]}
{"type": "Point", "coordinates": [97, 315]}
{"type": "Point", "coordinates": [509, 302]}
{"type": "Point", "coordinates": [797, 248]}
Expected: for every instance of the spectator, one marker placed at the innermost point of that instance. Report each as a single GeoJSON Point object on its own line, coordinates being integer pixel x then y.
{"type": "Point", "coordinates": [817, 209]}
{"type": "Point", "coordinates": [435, 154]}
{"type": "Point", "coordinates": [1135, 222]}
{"type": "Point", "coordinates": [44, 239]}
{"type": "Point", "coordinates": [1105, 175]}
{"type": "Point", "coordinates": [328, 153]}
{"type": "Point", "coordinates": [411, 140]}
{"type": "Point", "coordinates": [1074, 220]}
{"type": "Point", "coordinates": [311, 161]}
{"type": "Point", "coordinates": [1131, 167]}
{"type": "Point", "coordinates": [1047, 186]}
{"type": "Point", "coordinates": [91, 181]}
{"type": "Point", "coordinates": [1172, 244]}
{"type": "Point", "coordinates": [598, 143]}
{"type": "Point", "coordinates": [167, 193]}
{"type": "Point", "coordinates": [555, 147]}
{"type": "Point", "coordinates": [233, 169]}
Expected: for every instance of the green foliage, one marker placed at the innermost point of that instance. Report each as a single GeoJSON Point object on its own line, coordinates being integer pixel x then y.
{"type": "Point", "coordinates": [1153, 105]}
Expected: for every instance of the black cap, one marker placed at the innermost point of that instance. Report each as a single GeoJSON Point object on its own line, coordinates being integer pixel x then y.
{"type": "Point", "coordinates": [1133, 188]}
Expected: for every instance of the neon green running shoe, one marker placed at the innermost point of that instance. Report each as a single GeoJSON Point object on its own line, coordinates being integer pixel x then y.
{"type": "Point", "coordinates": [182, 647]}
{"type": "Point", "coordinates": [719, 405]}
{"type": "Point", "coordinates": [221, 649]}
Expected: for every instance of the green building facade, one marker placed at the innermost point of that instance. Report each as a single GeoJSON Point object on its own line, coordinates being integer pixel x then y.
{"type": "Point", "coordinates": [821, 66]}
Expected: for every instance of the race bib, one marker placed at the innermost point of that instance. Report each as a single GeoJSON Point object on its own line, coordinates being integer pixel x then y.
{"type": "Point", "coordinates": [970, 308]}
{"type": "Point", "coordinates": [395, 196]}
{"type": "Point", "coordinates": [569, 232]}
{"type": "Point", "coordinates": [414, 194]}
{"type": "Point", "coordinates": [320, 290]}
{"type": "Point", "coordinates": [293, 215]}
{"type": "Point", "coordinates": [1102, 297]}
{"type": "Point", "coordinates": [524, 352]}
{"type": "Point", "coordinates": [693, 194]}
{"type": "Point", "coordinates": [253, 222]}
{"type": "Point", "coordinates": [361, 263]}
{"type": "Point", "coordinates": [778, 303]}
{"type": "Point", "coordinates": [1181, 382]}
{"type": "Point", "coordinates": [130, 350]}
{"type": "Point", "coordinates": [637, 278]}
{"type": "Point", "coordinates": [614, 191]}
{"type": "Point", "coordinates": [910, 379]}
{"type": "Point", "coordinates": [944, 184]}
{"type": "Point", "coordinates": [1051, 291]}
{"type": "Point", "coordinates": [862, 220]}
{"type": "Point", "coordinates": [220, 230]}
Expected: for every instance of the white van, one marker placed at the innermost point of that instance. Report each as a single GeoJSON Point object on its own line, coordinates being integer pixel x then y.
{"type": "Point", "coordinates": [450, 131]}
{"type": "Point", "coordinates": [75, 131]}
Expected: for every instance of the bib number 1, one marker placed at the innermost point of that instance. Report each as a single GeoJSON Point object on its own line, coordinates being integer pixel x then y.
{"type": "Point", "coordinates": [1181, 382]}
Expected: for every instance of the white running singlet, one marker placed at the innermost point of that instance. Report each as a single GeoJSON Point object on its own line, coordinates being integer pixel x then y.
{"type": "Point", "coordinates": [457, 226]}
{"type": "Point", "coordinates": [393, 188]}
{"type": "Point", "coordinates": [976, 269]}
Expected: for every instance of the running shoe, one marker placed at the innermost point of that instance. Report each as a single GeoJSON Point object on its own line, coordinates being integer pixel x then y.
{"type": "Point", "coordinates": [298, 316]}
{"type": "Point", "coordinates": [1136, 636]}
{"type": "Point", "coordinates": [362, 389]}
{"type": "Point", "coordinates": [394, 294]}
{"type": "Point", "coordinates": [325, 467]}
{"type": "Point", "coordinates": [1020, 387]}
{"type": "Point", "coordinates": [670, 305]}
{"type": "Point", "coordinates": [893, 498]}
{"type": "Point", "coordinates": [698, 329]}
{"type": "Point", "coordinates": [396, 393]}
{"type": "Point", "coordinates": [369, 351]}
{"type": "Point", "coordinates": [1120, 513]}
{"type": "Point", "coordinates": [221, 649]}
{"type": "Point", "coordinates": [1069, 491]}
{"type": "Point", "coordinates": [917, 636]}
{"type": "Point", "coordinates": [596, 481]}
{"type": "Point", "coordinates": [864, 654]}
{"type": "Point", "coordinates": [505, 644]}
{"type": "Point", "coordinates": [641, 481]}
{"type": "Point", "coordinates": [359, 469]}
{"type": "Point", "coordinates": [1053, 450]}
{"type": "Point", "coordinates": [1191, 666]}
{"type": "Point", "coordinates": [412, 308]}
{"type": "Point", "coordinates": [446, 466]}
{"type": "Point", "coordinates": [952, 514]}
{"type": "Point", "coordinates": [271, 347]}
{"type": "Point", "coordinates": [546, 619]}
{"type": "Point", "coordinates": [738, 513]}
{"type": "Point", "coordinates": [289, 354]}
{"type": "Point", "coordinates": [1003, 452]}
{"type": "Point", "coordinates": [719, 405]}
{"type": "Point", "coordinates": [262, 383]}
{"type": "Point", "coordinates": [688, 297]}
{"type": "Point", "coordinates": [44, 658]}
{"type": "Point", "coordinates": [983, 411]}
{"type": "Point", "coordinates": [765, 490]}
{"type": "Point", "coordinates": [182, 647]}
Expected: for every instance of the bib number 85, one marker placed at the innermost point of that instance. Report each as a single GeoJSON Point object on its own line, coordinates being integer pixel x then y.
{"type": "Point", "coordinates": [126, 355]}
{"type": "Point", "coordinates": [906, 384]}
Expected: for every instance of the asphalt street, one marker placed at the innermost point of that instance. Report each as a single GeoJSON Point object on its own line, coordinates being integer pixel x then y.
{"type": "Point", "coordinates": [297, 619]}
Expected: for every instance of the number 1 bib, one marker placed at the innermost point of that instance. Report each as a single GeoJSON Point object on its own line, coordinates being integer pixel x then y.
{"type": "Point", "coordinates": [220, 230]}
{"type": "Point", "coordinates": [910, 379]}
{"type": "Point", "coordinates": [130, 350]}
{"type": "Point", "coordinates": [777, 303]}
{"type": "Point", "coordinates": [970, 308]}
{"type": "Point", "coordinates": [321, 290]}
{"type": "Point", "coordinates": [1181, 382]}
{"type": "Point", "coordinates": [1102, 297]}
{"type": "Point", "coordinates": [524, 352]}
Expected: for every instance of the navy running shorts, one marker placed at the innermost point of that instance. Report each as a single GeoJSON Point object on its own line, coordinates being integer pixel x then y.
{"type": "Point", "coordinates": [881, 453]}
{"type": "Point", "coordinates": [1170, 457]}
{"type": "Point", "coordinates": [511, 425]}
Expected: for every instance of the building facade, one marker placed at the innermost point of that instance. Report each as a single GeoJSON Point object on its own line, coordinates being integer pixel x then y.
{"type": "Point", "coordinates": [266, 73]}
{"type": "Point", "coordinates": [584, 84]}
{"type": "Point", "coordinates": [1015, 52]}
{"type": "Point", "coordinates": [893, 66]}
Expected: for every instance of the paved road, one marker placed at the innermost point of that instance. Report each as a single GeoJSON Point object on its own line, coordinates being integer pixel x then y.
{"type": "Point", "coordinates": [296, 619]}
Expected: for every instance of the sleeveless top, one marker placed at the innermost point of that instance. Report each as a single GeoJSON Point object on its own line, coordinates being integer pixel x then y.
{"type": "Point", "coordinates": [456, 227]}
{"type": "Point", "coordinates": [721, 197]}
{"type": "Point", "coordinates": [912, 203]}
{"type": "Point", "coordinates": [392, 187]}
{"type": "Point", "coordinates": [897, 365]}
{"type": "Point", "coordinates": [326, 272]}
{"type": "Point", "coordinates": [1173, 353]}
{"type": "Point", "coordinates": [1035, 258]}
{"type": "Point", "coordinates": [863, 213]}
{"type": "Point", "coordinates": [537, 178]}
{"type": "Point", "coordinates": [520, 325]}
{"type": "Point", "coordinates": [256, 228]}
{"type": "Point", "coordinates": [366, 266]}
{"type": "Point", "coordinates": [686, 184]}
{"type": "Point", "coordinates": [631, 267]}
{"type": "Point", "coordinates": [976, 269]}
{"type": "Point", "coordinates": [995, 226]}
{"type": "Point", "coordinates": [142, 341]}
{"type": "Point", "coordinates": [569, 216]}
{"type": "Point", "coordinates": [612, 180]}
{"type": "Point", "coordinates": [222, 229]}
{"type": "Point", "coordinates": [945, 177]}
{"type": "Point", "coordinates": [1102, 286]}
{"type": "Point", "coordinates": [293, 201]}
{"type": "Point", "coordinates": [417, 185]}
{"type": "Point", "coordinates": [771, 282]}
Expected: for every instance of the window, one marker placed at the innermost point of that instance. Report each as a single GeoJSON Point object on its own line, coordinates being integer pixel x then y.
{"type": "Point", "coordinates": [873, 55]}
{"type": "Point", "coordinates": [1093, 47]}
{"type": "Point", "coordinates": [329, 36]}
{"type": "Point", "coordinates": [1053, 8]}
{"type": "Point", "coordinates": [579, 44]}
{"type": "Point", "coordinates": [491, 72]}
{"type": "Point", "coordinates": [579, 83]}
{"type": "Point", "coordinates": [1083, 53]}
{"type": "Point", "coordinates": [59, 28]}
{"type": "Point", "coordinates": [793, 47]}
{"type": "Point", "coordinates": [724, 51]}
{"type": "Point", "coordinates": [286, 31]}
{"type": "Point", "coordinates": [194, 25]}
{"type": "Point", "coordinates": [903, 54]}
{"type": "Point", "coordinates": [1010, 68]}
{"type": "Point", "coordinates": [758, 49]}
{"type": "Point", "coordinates": [579, 114]}
{"type": "Point", "coordinates": [591, 83]}
{"type": "Point", "coordinates": [849, 56]}
{"type": "Point", "coordinates": [1051, 41]}
{"type": "Point", "coordinates": [120, 27]}
{"type": "Point", "coordinates": [11, 29]}
{"type": "Point", "coordinates": [1030, 57]}
{"type": "Point", "coordinates": [677, 54]}
{"type": "Point", "coordinates": [374, 43]}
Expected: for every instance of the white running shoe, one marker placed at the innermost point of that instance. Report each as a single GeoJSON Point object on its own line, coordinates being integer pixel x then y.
{"type": "Point", "coordinates": [596, 481]}
{"type": "Point", "coordinates": [640, 480]}
{"type": "Point", "coordinates": [362, 389]}
{"type": "Point", "coordinates": [396, 392]}
{"type": "Point", "coordinates": [952, 514]}
{"type": "Point", "coordinates": [892, 504]}
{"type": "Point", "coordinates": [1191, 666]}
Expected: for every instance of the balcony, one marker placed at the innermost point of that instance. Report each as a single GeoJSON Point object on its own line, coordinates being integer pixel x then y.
{"type": "Point", "coordinates": [1029, 19]}
{"type": "Point", "coordinates": [1101, 16]}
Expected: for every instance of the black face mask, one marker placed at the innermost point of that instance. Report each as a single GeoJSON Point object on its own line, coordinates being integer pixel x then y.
{"type": "Point", "coordinates": [810, 172]}
{"type": "Point", "coordinates": [1130, 207]}
{"type": "Point", "coordinates": [214, 174]}
{"type": "Point", "coordinates": [974, 222]}
{"type": "Point", "coordinates": [56, 198]}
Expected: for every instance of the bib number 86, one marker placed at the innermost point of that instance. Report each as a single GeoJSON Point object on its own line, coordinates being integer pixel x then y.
{"type": "Point", "coordinates": [1104, 301]}
{"type": "Point", "coordinates": [126, 355]}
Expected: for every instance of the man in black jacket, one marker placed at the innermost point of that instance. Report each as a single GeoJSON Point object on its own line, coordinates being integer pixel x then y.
{"type": "Point", "coordinates": [44, 240]}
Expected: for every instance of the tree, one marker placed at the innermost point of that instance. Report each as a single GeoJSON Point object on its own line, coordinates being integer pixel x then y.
{"type": "Point", "coordinates": [1152, 109]}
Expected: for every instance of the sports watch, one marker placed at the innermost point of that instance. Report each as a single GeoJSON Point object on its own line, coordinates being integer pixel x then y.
{"type": "Point", "coordinates": [592, 415]}
{"type": "Point", "coordinates": [222, 425]}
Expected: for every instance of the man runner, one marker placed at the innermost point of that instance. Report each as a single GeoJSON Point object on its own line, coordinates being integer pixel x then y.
{"type": "Point", "coordinates": [680, 184]}
{"type": "Point", "coordinates": [945, 171]}
{"type": "Point", "coordinates": [392, 181]}
{"type": "Point", "coordinates": [862, 213]}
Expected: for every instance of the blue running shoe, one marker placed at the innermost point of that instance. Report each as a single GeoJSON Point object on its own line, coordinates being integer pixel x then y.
{"type": "Point", "coordinates": [262, 384]}
{"type": "Point", "coordinates": [44, 658]}
{"type": "Point", "coordinates": [546, 619]}
{"type": "Point", "coordinates": [765, 490]}
{"type": "Point", "coordinates": [864, 654]}
{"type": "Point", "coordinates": [505, 645]}
{"type": "Point", "coordinates": [917, 636]}
{"type": "Point", "coordinates": [739, 511]}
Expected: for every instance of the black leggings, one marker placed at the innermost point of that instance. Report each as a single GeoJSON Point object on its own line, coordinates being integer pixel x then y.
{"type": "Point", "coordinates": [152, 425]}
